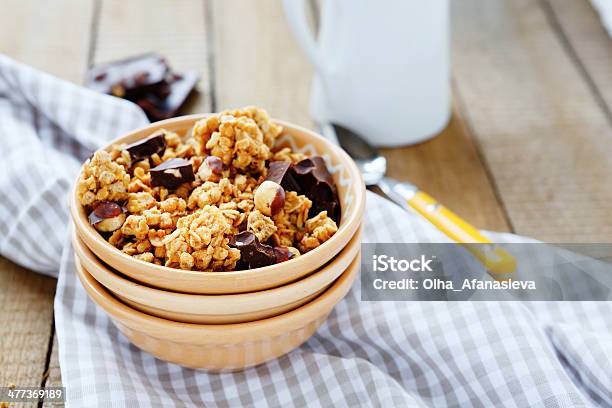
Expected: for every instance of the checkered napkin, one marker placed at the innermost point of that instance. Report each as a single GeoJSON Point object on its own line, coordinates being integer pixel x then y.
{"type": "Point", "coordinates": [483, 354]}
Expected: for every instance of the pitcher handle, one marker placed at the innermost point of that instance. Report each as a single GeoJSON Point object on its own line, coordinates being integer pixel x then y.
{"type": "Point", "coordinates": [296, 15]}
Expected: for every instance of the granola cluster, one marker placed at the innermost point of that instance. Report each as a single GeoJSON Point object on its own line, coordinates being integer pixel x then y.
{"type": "Point", "coordinates": [103, 179]}
{"type": "Point", "coordinates": [189, 201]}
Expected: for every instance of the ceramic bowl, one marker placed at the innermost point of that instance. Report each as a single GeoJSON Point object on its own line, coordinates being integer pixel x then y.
{"type": "Point", "coordinates": [351, 191]}
{"type": "Point", "coordinates": [224, 347]}
{"type": "Point", "coordinates": [216, 309]}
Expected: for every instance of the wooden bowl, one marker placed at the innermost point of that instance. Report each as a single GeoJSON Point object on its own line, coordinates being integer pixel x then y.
{"type": "Point", "coordinates": [216, 309]}
{"type": "Point", "coordinates": [351, 191]}
{"type": "Point", "coordinates": [220, 347]}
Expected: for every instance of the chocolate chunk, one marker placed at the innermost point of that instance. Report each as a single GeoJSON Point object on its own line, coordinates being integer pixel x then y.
{"type": "Point", "coordinates": [180, 88]}
{"type": "Point", "coordinates": [332, 208]}
{"type": "Point", "coordinates": [311, 178]}
{"type": "Point", "coordinates": [282, 172]}
{"type": "Point", "coordinates": [145, 80]}
{"type": "Point", "coordinates": [128, 78]}
{"type": "Point", "coordinates": [100, 76]}
{"type": "Point", "coordinates": [243, 240]}
{"type": "Point", "coordinates": [282, 254]}
{"type": "Point", "coordinates": [144, 148]}
{"type": "Point", "coordinates": [317, 183]}
{"type": "Point", "coordinates": [252, 252]}
{"type": "Point", "coordinates": [313, 171]}
{"type": "Point", "coordinates": [168, 99]}
{"type": "Point", "coordinates": [172, 173]}
{"type": "Point", "coordinates": [241, 266]}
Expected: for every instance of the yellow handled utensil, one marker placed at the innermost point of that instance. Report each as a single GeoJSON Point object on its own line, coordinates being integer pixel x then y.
{"type": "Point", "coordinates": [497, 261]}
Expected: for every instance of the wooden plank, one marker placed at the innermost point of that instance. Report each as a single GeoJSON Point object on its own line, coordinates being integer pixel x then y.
{"type": "Point", "coordinates": [258, 61]}
{"type": "Point", "coordinates": [580, 26]}
{"type": "Point", "coordinates": [544, 136]}
{"type": "Point", "coordinates": [122, 32]}
{"type": "Point", "coordinates": [175, 29]}
{"type": "Point", "coordinates": [26, 313]}
{"type": "Point", "coordinates": [449, 168]}
{"type": "Point", "coordinates": [53, 374]}
{"type": "Point", "coordinates": [124, 29]}
{"type": "Point", "coordinates": [271, 71]}
{"type": "Point", "coordinates": [53, 37]}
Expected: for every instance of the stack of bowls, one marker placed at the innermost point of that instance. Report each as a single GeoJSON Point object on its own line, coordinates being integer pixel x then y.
{"type": "Point", "coordinates": [226, 320]}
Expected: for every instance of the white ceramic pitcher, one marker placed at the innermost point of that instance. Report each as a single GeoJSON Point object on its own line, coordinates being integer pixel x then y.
{"type": "Point", "coordinates": [382, 66]}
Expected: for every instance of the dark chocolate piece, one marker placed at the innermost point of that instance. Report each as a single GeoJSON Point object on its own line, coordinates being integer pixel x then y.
{"type": "Point", "coordinates": [128, 78]}
{"type": "Point", "coordinates": [145, 80]}
{"type": "Point", "coordinates": [332, 208]}
{"type": "Point", "coordinates": [313, 171]}
{"type": "Point", "coordinates": [241, 266]}
{"type": "Point", "coordinates": [253, 252]}
{"type": "Point", "coordinates": [172, 173]}
{"type": "Point", "coordinates": [317, 183]}
{"type": "Point", "coordinates": [144, 148]}
{"type": "Point", "coordinates": [282, 254]}
{"type": "Point", "coordinates": [281, 172]}
{"type": "Point", "coordinates": [105, 210]}
{"type": "Point", "coordinates": [168, 99]}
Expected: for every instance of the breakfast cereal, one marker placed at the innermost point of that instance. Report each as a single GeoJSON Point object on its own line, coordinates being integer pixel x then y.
{"type": "Point", "coordinates": [222, 197]}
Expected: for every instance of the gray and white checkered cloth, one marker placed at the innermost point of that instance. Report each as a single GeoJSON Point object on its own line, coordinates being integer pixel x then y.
{"type": "Point", "coordinates": [439, 354]}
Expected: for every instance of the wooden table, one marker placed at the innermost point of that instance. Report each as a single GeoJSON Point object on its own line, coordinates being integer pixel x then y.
{"type": "Point", "coordinates": [527, 149]}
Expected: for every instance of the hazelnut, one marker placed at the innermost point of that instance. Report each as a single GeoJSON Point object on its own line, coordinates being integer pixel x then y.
{"type": "Point", "coordinates": [214, 163]}
{"type": "Point", "coordinates": [269, 198]}
{"type": "Point", "coordinates": [211, 165]}
{"type": "Point", "coordinates": [293, 252]}
{"type": "Point", "coordinates": [107, 217]}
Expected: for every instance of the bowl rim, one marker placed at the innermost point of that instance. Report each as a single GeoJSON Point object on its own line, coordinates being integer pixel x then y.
{"type": "Point", "coordinates": [243, 317]}
{"type": "Point", "coordinates": [78, 213]}
{"type": "Point", "coordinates": [216, 304]}
{"type": "Point", "coordinates": [192, 333]}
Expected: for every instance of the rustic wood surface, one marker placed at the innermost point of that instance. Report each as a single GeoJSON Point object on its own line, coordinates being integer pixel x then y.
{"type": "Point", "coordinates": [588, 43]}
{"type": "Point", "coordinates": [127, 28]}
{"type": "Point", "coordinates": [526, 149]}
{"type": "Point", "coordinates": [55, 37]}
{"type": "Point", "coordinates": [542, 131]}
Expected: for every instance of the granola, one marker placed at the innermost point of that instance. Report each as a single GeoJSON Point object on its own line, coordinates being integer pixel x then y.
{"type": "Point", "coordinates": [318, 230]}
{"type": "Point", "coordinates": [102, 179]}
{"type": "Point", "coordinates": [188, 199]}
{"type": "Point", "coordinates": [262, 226]}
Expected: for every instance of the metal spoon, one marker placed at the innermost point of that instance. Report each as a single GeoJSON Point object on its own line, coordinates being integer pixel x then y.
{"type": "Point", "coordinates": [373, 167]}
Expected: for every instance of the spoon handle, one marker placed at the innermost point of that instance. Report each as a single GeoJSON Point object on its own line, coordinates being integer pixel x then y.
{"type": "Point", "coordinates": [495, 259]}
